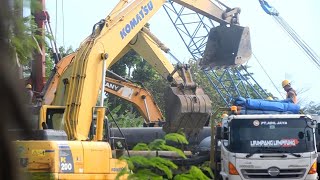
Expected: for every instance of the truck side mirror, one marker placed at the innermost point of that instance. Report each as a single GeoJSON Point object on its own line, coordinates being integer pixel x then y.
{"type": "Point", "coordinates": [218, 132]}
{"type": "Point", "coordinates": [225, 134]}
{"type": "Point", "coordinates": [312, 123]}
{"type": "Point", "coordinates": [308, 135]}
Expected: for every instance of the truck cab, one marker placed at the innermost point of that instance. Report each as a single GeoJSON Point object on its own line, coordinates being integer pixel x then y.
{"type": "Point", "coordinates": [277, 146]}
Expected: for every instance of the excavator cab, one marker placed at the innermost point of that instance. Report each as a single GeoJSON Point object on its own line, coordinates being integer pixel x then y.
{"type": "Point", "coordinates": [187, 107]}
{"type": "Point", "coordinates": [227, 46]}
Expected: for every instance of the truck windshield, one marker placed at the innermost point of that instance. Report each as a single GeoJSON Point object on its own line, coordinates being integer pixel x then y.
{"type": "Point", "coordinates": [270, 135]}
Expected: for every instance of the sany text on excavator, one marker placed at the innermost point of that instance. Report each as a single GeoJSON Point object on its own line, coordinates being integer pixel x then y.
{"type": "Point", "coordinates": [74, 156]}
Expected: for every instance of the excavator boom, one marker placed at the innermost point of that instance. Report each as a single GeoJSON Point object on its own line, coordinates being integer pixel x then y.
{"type": "Point", "coordinates": [126, 24]}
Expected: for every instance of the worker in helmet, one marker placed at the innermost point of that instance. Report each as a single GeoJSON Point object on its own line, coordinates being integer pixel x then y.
{"type": "Point", "coordinates": [291, 93]}
{"type": "Point", "coordinates": [29, 93]}
{"type": "Point", "coordinates": [269, 98]}
{"type": "Point", "coordinates": [224, 115]}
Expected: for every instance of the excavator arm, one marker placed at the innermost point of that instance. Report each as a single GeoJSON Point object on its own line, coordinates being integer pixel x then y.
{"type": "Point", "coordinates": [182, 106]}
{"type": "Point", "coordinates": [187, 107]}
{"type": "Point", "coordinates": [140, 97]}
{"type": "Point", "coordinates": [109, 40]}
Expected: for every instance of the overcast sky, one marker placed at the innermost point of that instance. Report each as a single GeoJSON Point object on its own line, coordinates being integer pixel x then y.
{"type": "Point", "coordinates": [278, 54]}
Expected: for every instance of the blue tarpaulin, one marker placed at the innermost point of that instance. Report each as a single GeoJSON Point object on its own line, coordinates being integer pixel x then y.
{"type": "Point", "coordinates": [267, 105]}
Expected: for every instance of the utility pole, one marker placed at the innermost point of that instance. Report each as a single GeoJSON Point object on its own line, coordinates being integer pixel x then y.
{"type": "Point", "coordinates": [38, 64]}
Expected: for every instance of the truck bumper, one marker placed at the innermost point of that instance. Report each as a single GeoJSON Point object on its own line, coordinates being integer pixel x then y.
{"type": "Point", "coordinates": [312, 177]}
{"type": "Point", "coordinates": [238, 177]}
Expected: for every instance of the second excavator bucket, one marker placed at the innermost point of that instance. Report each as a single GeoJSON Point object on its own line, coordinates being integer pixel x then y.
{"type": "Point", "coordinates": [186, 110]}
{"type": "Point", "coordinates": [227, 46]}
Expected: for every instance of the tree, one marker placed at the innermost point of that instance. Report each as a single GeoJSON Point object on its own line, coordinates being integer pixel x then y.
{"type": "Point", "coordinates": [50, 57]}
{"type": "Point", "coordinates": [124, 66]}
{"type": "Point", "coordinates": [135, 68]}
{"type": "Point", "coordinates": [22, 38]}
{"type": "Point", "coordinates": [152, 81]}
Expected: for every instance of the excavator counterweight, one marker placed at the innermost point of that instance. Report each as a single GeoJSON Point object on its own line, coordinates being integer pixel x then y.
{"type": "Point", "coordinates": [227, 46]}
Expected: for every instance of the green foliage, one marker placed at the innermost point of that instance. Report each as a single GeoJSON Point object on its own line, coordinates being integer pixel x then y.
{"type": "Point", "coordinates": [49, 63]}
{"type": "Point", "coordinates": [123, 172]}
{"type": "Point", "coordinates": [141, 147]}
{"type": "Point", "coordinates": [164, 165]}
{"type": "Point", "coordinates": [160, 145]}
{"type": "Point", "coordinates": [176, 137]}
{"type": "Point", "coordinates": [171, 148]}
{"type": "Point", "coordinates": [25, 41]}
{"type": "Point", "coordinates": [128, 119]}
{"type": "Point", "coordinates": [208, 169]}
{"type": "Point", "coordinates": [139, 163]}
{"type": "Point", "coordinates": [156, 144]}
{"type": "Point", "coordinates": [114, 111]}
{"type": "Point", "coordinates": [129, 162]}
{"type": "Point", "coordinates": [205, 167]}
{"type": "Point", "coordinates": [144, 174]}
{"type": "Point", "coordinates": [157, 167]}
{"type": "Point", "coordinates": [133, 66]}
{"type": "Point", "coordinates": [23, 31]}
{"type": "Point", "coordinates": [152, 81]}
{"type": "Point", "coordinates": [125, 119]}
{"type": "Point", "coordinates": [125, 63]}
{"type": "Point", "coordinates": [64, 52]}
{"type": "Point", "coordinates": [50, 57]}
{"type": "Point", "coordinates": [194, 173]}
{"type": "Point", "coordinates": [24, 35]}
{"type": "Point", "coordinates": [143, 72]}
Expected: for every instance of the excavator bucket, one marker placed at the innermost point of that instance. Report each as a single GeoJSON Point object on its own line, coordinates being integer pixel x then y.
{"type": "Point", "coordinates": [227, 46]}
{"type": "Point", "coordinates": [186, 110]}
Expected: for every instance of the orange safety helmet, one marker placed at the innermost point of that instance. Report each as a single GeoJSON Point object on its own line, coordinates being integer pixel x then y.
{"type": "Point", "coordinates": [269, 98]}
{"type": "Point", "coordinates": [224, 115]}
{"type": "Point", "coordinates": [285, 82]}
{"type": "Point", "coordinates": [28, 86]}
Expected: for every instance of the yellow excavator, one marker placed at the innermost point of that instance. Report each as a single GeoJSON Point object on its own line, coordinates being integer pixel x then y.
{"type": "Point", "coordinates": [116, 85]}
{"type": "Point", "coordinates": [66, 152]}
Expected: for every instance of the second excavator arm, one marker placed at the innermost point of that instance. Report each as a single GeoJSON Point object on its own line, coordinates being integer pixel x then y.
{"type": "Point", "coordinates": [116, 85]}
{"type": "Point", "coordinates": [138, 96]}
